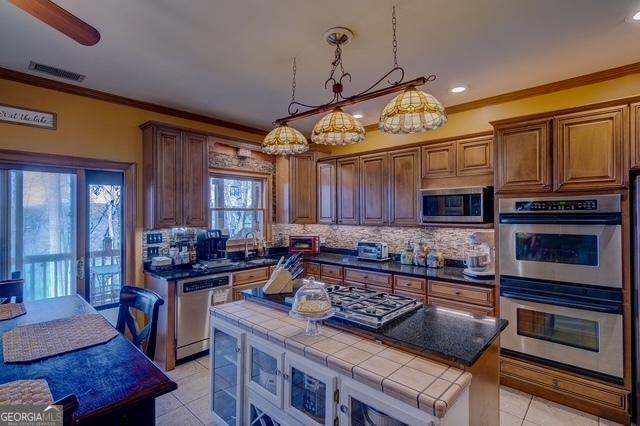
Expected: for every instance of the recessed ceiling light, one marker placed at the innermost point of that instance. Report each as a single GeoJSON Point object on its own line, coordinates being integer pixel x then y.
{"type": "Point", "coordinates": [358, 115]}
{"type": "Point", "coordinates": [636, 17]}
{"type": "Point", "coordinates": [458, 89]}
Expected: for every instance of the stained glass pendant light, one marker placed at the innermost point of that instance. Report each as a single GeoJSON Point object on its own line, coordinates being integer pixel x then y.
{"type": "Point", "coordinates": [412, 111]}
{"type": "Point", "coordinates": [285, 140]}
{"type": "Point", "coordinates": [337, 128]}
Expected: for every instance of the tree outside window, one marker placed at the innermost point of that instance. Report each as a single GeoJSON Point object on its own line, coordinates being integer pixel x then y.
{"type": "Point", "coordinates": [238, 204]}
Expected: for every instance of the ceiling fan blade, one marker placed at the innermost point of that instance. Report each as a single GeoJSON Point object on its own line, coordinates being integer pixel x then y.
{"type": "Point", "coordinates": [58, 18]}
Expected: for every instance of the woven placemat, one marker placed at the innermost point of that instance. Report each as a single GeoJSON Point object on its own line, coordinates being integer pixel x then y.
{"type": "Point", "coordinates": [45, 339]}
{"type": "Point", "coordinates": [11, 310]}
{"type": "Point", "coordinates": [25, 392]}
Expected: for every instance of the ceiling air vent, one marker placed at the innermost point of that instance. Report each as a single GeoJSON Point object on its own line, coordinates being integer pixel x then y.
{"type": "Point", "coordinates": [56, 72]}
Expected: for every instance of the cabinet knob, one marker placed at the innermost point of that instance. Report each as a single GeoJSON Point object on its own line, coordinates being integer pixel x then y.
{"type": "Point", "coordinates": [238, 350]}
{"type": "Point", "coordinates": [285, 376]}
{"type": "Point", "coordinates": [458, 293]}
{"type": "Point", "coordinates": [344, 409]}
{"type": "Point", "coordinates": [278, 372]}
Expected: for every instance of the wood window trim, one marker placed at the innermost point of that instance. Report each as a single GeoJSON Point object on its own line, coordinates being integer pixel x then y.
{"type": "Point", "coordinates": [267, 195]}
{"type": "Point", "coordinates": [43, 161]}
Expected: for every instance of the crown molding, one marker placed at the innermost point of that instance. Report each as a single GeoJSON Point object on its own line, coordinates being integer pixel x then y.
{"type": "Point", "coordinates": [46, 83]}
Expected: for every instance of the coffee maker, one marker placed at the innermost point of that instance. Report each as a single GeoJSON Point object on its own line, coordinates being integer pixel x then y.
{"type": "Point", "coordinates": [212, 245]}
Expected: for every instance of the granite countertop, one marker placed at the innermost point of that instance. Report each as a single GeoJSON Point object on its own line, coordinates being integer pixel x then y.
{"type": "Point", "coordinates": [457, 337]}
{"type": "Point", "coordinates": [449, 273]}
{"type": "Point", "coordinates": [428, 385]}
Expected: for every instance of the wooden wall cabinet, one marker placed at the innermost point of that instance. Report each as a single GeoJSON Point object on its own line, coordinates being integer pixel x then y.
{"type": "Point", "coordinates": [348, 191]}
{"type": "Point", "coordinates": [635, 135]}
{"type": "Point", "coordinates": [373, 189]}
{"type": "Point", "coordinates": [175, 178]}
{"type": "Point", "coordinates": [326, 177]}
{"type": "Point", "coordinates": [404, 183]}
{"type": "Point", "coordinates": [474, 156]}
{"type": "Point", "coordinates": [439, 160]}
{"type": "Point", "coordinates": [302, 178]}
{"type": "Point", "coordinates": [524, 157]}
{"type": "Point", "coordinates": [589, 149]}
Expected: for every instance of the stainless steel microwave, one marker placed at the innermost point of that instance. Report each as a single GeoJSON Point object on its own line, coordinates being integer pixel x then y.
{"type": "Point", "coordinates": [457, 205]}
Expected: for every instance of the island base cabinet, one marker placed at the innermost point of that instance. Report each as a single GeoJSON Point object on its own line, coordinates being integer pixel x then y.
{"type": "Point", "coordinates": [227, 349]}
{"type": "Point", "coordinates": [264, 370]}
{"type": "Point", "coordinates": [309, 392]}
{"type": "Point", "coordinates": [261, 413]}
{"type": "Point", "coordinates": [361, 405]}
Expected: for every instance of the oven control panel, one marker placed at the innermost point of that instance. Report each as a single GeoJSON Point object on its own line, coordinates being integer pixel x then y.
{"type": "Point", "coordinates": [554, 205]}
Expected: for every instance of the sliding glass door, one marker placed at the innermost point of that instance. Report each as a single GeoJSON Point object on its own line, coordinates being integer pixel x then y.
{"type": "Point", "coordinates": [104, 242]}
{"type": "Point", "coordinates": [39, 216]}
{"type": "Point", "coordinates": [62, 231]}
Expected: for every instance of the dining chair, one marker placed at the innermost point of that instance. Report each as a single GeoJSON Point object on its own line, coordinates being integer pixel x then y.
{"type": "Point", "coordinates": [146, 302]}
{"type": "Point", "coordinates": [11, 289]}
{"type": "Point", "coordinates": [69, 406]}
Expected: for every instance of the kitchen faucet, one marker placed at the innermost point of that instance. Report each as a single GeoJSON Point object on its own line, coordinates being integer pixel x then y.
{"type": "Point", "coordinates": [246, 240]}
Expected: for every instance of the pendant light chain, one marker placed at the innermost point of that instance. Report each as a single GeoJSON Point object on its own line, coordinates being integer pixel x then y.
{"type": "Point", "coordinates": [395, 40]}
{"type": "Point", "coordinates": [293, 82]}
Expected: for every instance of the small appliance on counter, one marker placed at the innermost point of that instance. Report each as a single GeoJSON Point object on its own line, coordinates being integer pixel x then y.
{"type": "Point", "coordinates": [212, 247]}
{"type": "Point", "coordinates": [435, 259]}
{"type": "Point", "coordinates": [479, 262]}
{"type": "Point", "coordinates": [373, 250]}
{"type": "Point", "coordinates": [307, 244]}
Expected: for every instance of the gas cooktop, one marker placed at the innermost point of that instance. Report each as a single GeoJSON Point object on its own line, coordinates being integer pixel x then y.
{"type": "Point", "coordinates": [370, 308]}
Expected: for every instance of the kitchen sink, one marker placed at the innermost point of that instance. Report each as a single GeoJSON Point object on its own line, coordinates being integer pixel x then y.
{"type": "Point", "coordinates": [259, 261]}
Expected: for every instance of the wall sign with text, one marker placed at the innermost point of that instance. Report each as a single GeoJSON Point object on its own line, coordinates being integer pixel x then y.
{"type": "Point", "coordinates": [28, 117]}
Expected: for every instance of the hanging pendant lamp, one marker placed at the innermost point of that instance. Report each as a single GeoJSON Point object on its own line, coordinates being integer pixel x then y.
{"type": "Point", "coordinates": [337, 128]}
{"type": "Point", "coordinates": [412, 111]}
{"type": "Point", "coordinates": [285, 140]}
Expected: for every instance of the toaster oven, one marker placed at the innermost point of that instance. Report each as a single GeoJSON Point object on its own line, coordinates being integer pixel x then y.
{"type": "Point", "coordinates": [373, 250]}
{"type": "Point", "coordinates": [307, 244]}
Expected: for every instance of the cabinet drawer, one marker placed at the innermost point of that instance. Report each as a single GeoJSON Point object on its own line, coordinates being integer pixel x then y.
{"type": "Point", "coordinates": [461, 306]}
{"type": "Point", "coordinates": [566, 384]}
{"type": "Point", "coordinates": [312, 269]}
{"type": "Point", "coordinates": [413, 284]}
{"type": "Point", "coordinates": [367, 277]}
{"type": "Point", "coordinates": [238, 289]}
{"type": "Point", "coordinates": [421, 297]}
{"type": "Point", "coordinates": [331, 271]}
{"type": "Point", "coordinates": [461, 292]}
{"type": "Point", "coordinates": [329, 280]}
{"type": "Point", "coordinates": [250, 276]}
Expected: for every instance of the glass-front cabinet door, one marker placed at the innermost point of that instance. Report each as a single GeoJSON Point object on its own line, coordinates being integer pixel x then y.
{"type": "Point", "coordinates": [264, 369]}
{"type": "Point", "coordinates": [226, 368]}
{"type": "Point", "coordinates": [360, 405]}
{"type": "Point", "coordinates": [309, 391]}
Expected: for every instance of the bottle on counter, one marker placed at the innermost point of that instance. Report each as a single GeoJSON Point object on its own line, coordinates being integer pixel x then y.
{"type": "Point", "coordinates": [406, 257]}
{"type": "Point", "coordinates": [435, 259]}
{"type": "Point", "coordinates": [419, 255]}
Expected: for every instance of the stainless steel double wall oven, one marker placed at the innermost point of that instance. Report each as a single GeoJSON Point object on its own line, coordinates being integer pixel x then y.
{"type": "Point", "coordinates": [561, 282]}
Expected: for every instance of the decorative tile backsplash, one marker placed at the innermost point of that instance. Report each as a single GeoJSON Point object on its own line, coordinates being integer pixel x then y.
{"type": "Point", "coordinates": [452, 242]}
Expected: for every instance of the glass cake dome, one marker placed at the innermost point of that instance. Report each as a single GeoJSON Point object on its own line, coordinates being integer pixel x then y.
{"type": "Point", "coordinates": [312, 303]}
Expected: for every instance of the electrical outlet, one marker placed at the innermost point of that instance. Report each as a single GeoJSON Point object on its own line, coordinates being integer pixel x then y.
{"type": "Point", "coordinates": [153, 251]}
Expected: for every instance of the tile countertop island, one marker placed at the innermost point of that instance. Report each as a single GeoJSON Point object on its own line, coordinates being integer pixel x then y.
{"type": "Point", "coordinates": [434, 361]}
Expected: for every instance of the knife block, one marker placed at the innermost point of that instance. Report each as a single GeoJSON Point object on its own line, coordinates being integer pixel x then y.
{"type": "Point", "coordinates": [280, 281]}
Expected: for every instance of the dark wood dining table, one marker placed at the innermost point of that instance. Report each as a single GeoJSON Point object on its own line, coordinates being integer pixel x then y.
{"type": "Point", "coordinates": [114, 382]}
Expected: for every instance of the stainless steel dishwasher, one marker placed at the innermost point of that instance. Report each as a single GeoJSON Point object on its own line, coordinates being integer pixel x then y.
{"type": "Point", "coordinates": [195, 297]}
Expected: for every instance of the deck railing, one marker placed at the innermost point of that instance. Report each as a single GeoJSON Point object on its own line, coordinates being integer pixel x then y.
{"type": "Point", "coordinates": [53, 275]}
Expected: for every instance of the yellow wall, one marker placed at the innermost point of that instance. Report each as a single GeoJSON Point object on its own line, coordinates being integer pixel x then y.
{"type": "Point", "coordinates": [89, 128]}
{"type": "Point", "coordinates": [477, 120]}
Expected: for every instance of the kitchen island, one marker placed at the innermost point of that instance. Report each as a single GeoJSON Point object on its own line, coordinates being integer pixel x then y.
{"type": "Point", "coordinates": [434, 366]}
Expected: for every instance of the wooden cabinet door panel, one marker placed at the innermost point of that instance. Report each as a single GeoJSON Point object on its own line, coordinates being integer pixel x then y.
{"type": "Point", "coordinates": [404, 183]}
{"type": "Point", "coordinates": [373, 189]}
{"type": "Point", "coordinates": [167, 184]}
{"type": "Point", "coordinates": [410, 284]}
{"type": "Point", "coordinates": [439, 160]}
{"type": "Point", "coordinates": [589, 149]}
{"type": "Point", "coordinates": [331, 271]}
{"type": "Point", "coordinates": [250, 276]}
{"type": "Point", "coordinates": [303, 188]}
{"type": "Point", "coordinates": [347, 193]}
{"type": "Point", "coordinates": [460, 292]}
{"type": "Point", "coordinates": [326, 174]}
{"type": "Point", "coordinates": [195, 180]}
{"type": "Point", "coordinates": [524, 157]}
{"type": "Point", "coordinates": [635, 135]}
{"type": "Point", "coordinates": [475, 156]}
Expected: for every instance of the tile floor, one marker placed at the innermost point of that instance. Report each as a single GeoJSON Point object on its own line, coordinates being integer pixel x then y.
{"type": "Point", "coordinates": [189, 404]}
